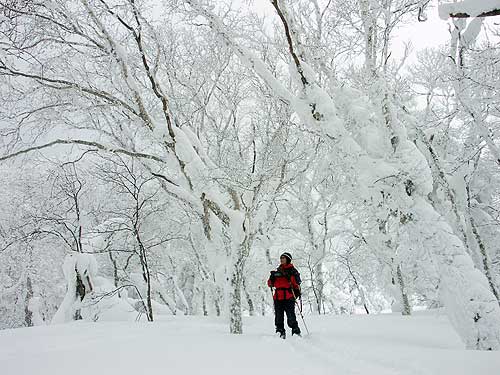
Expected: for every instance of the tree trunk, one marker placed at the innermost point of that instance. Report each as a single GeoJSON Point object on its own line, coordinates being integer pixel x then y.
{"type": "Point", "coordinates": [263, 301]}
{"type": "Point", "coordinates": [358, 287]}
{"type": "Point", "coordinates": [149, 302]}
{"type": "Point", "coordinates": [28, 314]}
{"type": "Point", "coordinates": [80, 294]}
{"type": "Point", "coordinates": [484, 257]}
{"type": "Point", "coordinates": [235, 316]}
{"type": "Point", "coordinates": [116, 280]}
{"type": "Point", "coordinates": [217, 299]}
{"type": "Point", "coordinates": [236, 324]}
{"type": "Point", "coordinates": [404, 295]}
{"type": "Point", "coordinates": [471, 307]}
{"type": "Point", "coordinates": [204, 302]}
{"type": "Point", "coordinates": [251, 308]}
{"type": "Point", "coordinates": [319, 287]}
{"type": "Point", "coordinates": [146, 274]}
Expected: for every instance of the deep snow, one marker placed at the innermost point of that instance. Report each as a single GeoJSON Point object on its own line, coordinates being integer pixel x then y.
{"type": "Point", "coordinates": [374, 345]}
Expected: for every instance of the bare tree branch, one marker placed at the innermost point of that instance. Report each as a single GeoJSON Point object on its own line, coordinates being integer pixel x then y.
{"type": "Point", "coordinates": [83, 143]}
{"type": "Point", "coordinates": [64, 84]}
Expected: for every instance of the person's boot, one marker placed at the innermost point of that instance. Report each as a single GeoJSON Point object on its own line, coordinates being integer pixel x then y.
{"type": "Point", "coordinates": [296, 331]}
{"type": "Point", "coordinates": [281, 333]}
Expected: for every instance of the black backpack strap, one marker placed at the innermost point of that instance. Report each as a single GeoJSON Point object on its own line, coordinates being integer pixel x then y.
{"type": "Point", "coordinates": [297, 275]}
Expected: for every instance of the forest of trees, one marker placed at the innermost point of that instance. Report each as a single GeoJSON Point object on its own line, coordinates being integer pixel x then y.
{"type": "Point", "coordinates": [157, 157]}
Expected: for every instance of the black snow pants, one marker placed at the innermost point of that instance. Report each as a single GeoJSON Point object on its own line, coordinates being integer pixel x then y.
{"type": "Point", "coordinates": [285, 306]}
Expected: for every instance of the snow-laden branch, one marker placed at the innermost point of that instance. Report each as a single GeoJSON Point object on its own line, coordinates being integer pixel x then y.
{"type": "Point", "coordinates": [171, 187]}
{"type": "Point", "coordinates": [63, 84]}
{"type": "Point", "coordinates": [288, 33]}
{"type": "Point", "coordinates": [469, 8]}
{"type": "Point", "coordinates": [245, 55]}
{"type": "Point", "coordinates": [82, 142]}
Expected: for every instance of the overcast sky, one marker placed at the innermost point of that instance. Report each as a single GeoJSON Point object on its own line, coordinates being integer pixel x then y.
{"type": "Point", "coordinates": [432, 33]}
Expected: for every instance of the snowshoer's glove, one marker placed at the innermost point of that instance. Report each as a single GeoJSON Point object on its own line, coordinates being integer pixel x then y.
{"type": "Point", "coordinates": [297, 292]}
{"type": "Point", "coordinates": [272, 277]}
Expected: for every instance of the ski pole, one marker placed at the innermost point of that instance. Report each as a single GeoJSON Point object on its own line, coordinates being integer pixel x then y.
{"type": "Point", "coordinates": [300, 311]}
{"type": "Point", "coordinates": [272, 299]}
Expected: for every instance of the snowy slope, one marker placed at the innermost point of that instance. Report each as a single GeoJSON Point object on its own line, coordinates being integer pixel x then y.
{"type": "Point", "coordinates": [374, 345]}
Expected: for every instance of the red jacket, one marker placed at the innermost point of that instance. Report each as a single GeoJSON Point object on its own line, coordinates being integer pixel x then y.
{"type": "Point", "coordinates": [286, 278]}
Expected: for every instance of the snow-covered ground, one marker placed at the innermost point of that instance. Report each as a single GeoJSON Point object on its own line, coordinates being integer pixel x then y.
{"type": "Point", "coordinates": [367, 345]}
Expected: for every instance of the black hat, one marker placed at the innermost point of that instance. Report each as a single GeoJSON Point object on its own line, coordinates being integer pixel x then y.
{"type": "Point", "coordinates": [288, 256]}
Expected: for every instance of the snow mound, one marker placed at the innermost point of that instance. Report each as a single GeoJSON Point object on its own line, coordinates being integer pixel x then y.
{"type": "Point", "coordinates": [100, 301]}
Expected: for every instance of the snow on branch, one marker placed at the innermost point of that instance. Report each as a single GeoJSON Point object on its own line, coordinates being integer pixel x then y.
{"type": "Point", "coordinates": [246, 57]}
{"type": "Point", "coordinates": [62, 84]}
{"type": "Point", "coordinates": [83, 143]}
{"type": "Point", "coordinates": [469, 8]}
{"type": "Point", "coordinates": [288, 33]}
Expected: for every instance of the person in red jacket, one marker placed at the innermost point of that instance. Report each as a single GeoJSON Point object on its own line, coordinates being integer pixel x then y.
{"type": "Point", "coordinates": [286, 283]}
